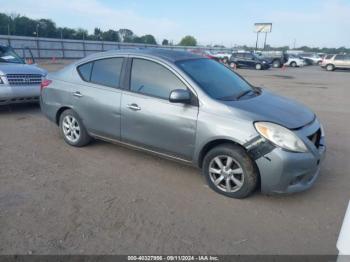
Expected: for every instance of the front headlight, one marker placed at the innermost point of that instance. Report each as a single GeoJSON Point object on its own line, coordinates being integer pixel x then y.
{"type": "Point", "coordinates": [280, 136]}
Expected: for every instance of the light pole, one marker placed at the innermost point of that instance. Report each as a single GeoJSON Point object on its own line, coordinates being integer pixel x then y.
{"type": "Point", "coordinates": [37, 30]}
{"type": "Point", "coordinates": [8, 29]}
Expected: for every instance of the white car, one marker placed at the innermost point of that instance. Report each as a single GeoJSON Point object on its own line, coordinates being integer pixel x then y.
{"type": "Point", "coordinates": [19, 82]}
{"type": "Point", "coordinates": [221, 55]}
{"type": "Point", "coordinates": [316, 59]}
{"type": "Point", "coordinates": [294, 61]}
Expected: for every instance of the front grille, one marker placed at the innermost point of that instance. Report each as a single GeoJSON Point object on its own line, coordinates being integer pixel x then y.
{"type": "Point", "coordinates": [316, 137]}
{"type": "Point", "coordinates": [24, 79]}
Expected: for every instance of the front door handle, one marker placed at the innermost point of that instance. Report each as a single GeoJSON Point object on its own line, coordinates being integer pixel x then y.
{"type": "Point", "coordinates": [134, 107]}
{"type": "Point", "coordinates": [77, 94]}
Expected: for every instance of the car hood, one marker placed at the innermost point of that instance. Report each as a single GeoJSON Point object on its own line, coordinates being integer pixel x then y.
{"type": "Point", "coordinates": [274, 108]}
{"type": "Point", "coordinates": [8, 68]}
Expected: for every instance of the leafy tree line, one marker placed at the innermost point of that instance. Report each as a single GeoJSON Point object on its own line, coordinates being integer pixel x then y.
{"type": "Point", "coordinates": [15, 24]}
{"type": "Point", "coordinates": [24, 26]}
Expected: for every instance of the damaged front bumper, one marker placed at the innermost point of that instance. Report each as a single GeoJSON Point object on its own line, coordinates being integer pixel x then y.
{"type": "Point", "coordinates": [283, 171]}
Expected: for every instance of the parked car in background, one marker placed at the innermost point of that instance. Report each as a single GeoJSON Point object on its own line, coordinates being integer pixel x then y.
{"type": "Point", "coordinates": [332, 62]}
{"type": "Point", "coordinates": [248, 60]}
{"type": "Point", "coordinates": [294, 61]}
{"type": "Point", "coordinates": [275, 58]}
{"type": "Point", "coordinates": [192, 109]}
{"type": "Point", "coordinates": [312, 57]}
{"type": "Point", "coordinates": [19, 82]}
{"type": "Point", "coordinates": [222, 56]}
{"type": "Point", "coordinates": [204, 53]}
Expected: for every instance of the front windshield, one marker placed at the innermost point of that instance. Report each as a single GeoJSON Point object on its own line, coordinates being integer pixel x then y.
{"type": "Point", "coordinates": [7, 55]}
{"type": "Point", "coordinates": [215, 79]}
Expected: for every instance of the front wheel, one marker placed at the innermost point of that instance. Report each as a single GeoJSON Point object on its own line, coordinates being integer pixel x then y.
{"type": "Point", "coordinates": [230, 171]}
{"type": "Point", "coordinates": [258, 66]}
{"type": "Point", "coordinates": [73, 130]}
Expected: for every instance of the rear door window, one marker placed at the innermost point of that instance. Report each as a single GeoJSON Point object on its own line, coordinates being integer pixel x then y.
{"type": "Point", "coordinates": [107, 72]}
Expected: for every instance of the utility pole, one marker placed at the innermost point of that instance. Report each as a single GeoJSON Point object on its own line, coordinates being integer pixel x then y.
{"type": "Point", "coordinates": [257, 40]}
{"type": "Point", "coordinates": [265, 40]}
{"type": "Point", "coordinates": [61, 33]}
{"type": "Point", "coordinates": [8, 29]}
{"type": "Point", "coordinates": [37, 30]}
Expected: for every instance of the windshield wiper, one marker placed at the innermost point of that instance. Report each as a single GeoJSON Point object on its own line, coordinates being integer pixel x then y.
{"type": "Point", "coordinates": [243, 94]}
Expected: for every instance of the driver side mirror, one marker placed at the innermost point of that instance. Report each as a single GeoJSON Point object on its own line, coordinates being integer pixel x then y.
{"type": "Point", "coordinates": [180, 96]}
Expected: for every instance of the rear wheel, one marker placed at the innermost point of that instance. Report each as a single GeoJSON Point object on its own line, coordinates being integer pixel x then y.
{"type": "Point", "coordinates": [258, 67]}
{"type": "Point", "coordinates": [330, 67]}
{"type": "Point", "coordinates": [293, 64]}
{"type": "Point", "coordinates": [276, 63]}
{"type": "Point", "coordinates": [73, 130]}
{"type": "Point", "coordinates": [233, 65]}
{"type": "Point", "coordinates": [230, 171]}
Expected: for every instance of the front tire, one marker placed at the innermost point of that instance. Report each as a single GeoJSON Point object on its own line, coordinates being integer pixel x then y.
{"type": "Point", "coordinates": [258, 67]}
{"type": "Point", "coordinates": [293, 64]}
{"type": "Point", "coordinates": [72, 129]}
{"type": "Point", "coordinates": [230, 171]}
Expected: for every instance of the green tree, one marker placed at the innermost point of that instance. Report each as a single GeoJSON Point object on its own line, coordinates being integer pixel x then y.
{"type": "Point", "coordinates": [80, 34]}
{"type": "Point", "coordinates": [149, 39]}
{"type": "Point", "coordinates": [111, 35]}
{"type": "Point", "coordinates": [47, 28]}
{"type": "Point", "coordinates": [97, 33]}
{"type": "Point", "coordinates": [126, 35]}
{"type": "Point", "coordinates": [165, 42]}
{"type": "Point", "coordinates": [5, 21]}
{"type": "Point", "coordinates": [188, 41]}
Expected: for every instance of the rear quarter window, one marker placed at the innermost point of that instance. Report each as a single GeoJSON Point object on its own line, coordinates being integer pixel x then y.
{"type": "Point", "coordinates": [339, 57]}
{"type": "Point", "coordinates": [329, 57]}
{"type": "Point", "coordinates": [85, 71]}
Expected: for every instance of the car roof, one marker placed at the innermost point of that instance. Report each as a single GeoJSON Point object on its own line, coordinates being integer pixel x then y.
{"type": "Point", "coordinates": [166, 54]}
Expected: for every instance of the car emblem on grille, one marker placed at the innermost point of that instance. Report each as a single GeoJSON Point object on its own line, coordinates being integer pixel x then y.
{"type": "Point", "coordinates": [26, 80]}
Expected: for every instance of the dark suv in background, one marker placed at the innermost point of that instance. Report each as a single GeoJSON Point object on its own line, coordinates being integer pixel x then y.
{"type": "Point", "coordinates": [248, 60]}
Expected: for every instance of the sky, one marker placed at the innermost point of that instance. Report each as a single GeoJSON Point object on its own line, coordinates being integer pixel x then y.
{"type": "Point", "coordinates": [316, 23]}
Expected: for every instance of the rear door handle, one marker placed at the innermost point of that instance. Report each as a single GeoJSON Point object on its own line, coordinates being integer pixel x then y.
{"type": "Point", "coordinates": [77, 94]}
{"type": "Point", "coordinates": [134, 107]}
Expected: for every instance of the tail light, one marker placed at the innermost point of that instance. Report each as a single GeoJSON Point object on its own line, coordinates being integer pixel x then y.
{"type": "Point", "coordinates": [45, 83]}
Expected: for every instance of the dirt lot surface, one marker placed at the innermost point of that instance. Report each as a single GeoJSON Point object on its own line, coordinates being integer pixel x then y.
{"type": "Point", "coordinates": [106, 199]}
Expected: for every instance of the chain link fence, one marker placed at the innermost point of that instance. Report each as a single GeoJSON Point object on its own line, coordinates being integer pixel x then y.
{"type": "Point", "coordinates": [48, 48]}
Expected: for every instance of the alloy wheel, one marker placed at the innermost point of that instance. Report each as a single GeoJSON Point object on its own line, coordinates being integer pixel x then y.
{"type": "Point", "coordinates": [226, 173]}
{"type": "Point", "coordinates": [71, 128]}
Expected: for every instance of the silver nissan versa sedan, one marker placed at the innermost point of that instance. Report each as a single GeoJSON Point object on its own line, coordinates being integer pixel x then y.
{"type": "Point", "coordinates": [189, 108]}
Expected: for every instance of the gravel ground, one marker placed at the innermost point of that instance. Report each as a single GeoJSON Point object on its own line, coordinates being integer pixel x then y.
{"type": "Point", "coordinates": [107, 199]}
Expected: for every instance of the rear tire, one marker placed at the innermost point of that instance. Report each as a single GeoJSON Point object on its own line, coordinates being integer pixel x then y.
{"type": "Point", "coordinates": [233, 65]}
{"type": "Point", "coordinates": [276, 64]}
{"type": "Point", "coordinates": [258, 67]}
{"type": "Point", "coordinates": [230, 171]}
{"type": "Point", "coordinates": [330, 67]}
{"type": "Point", "coordinates": [72, 129]}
